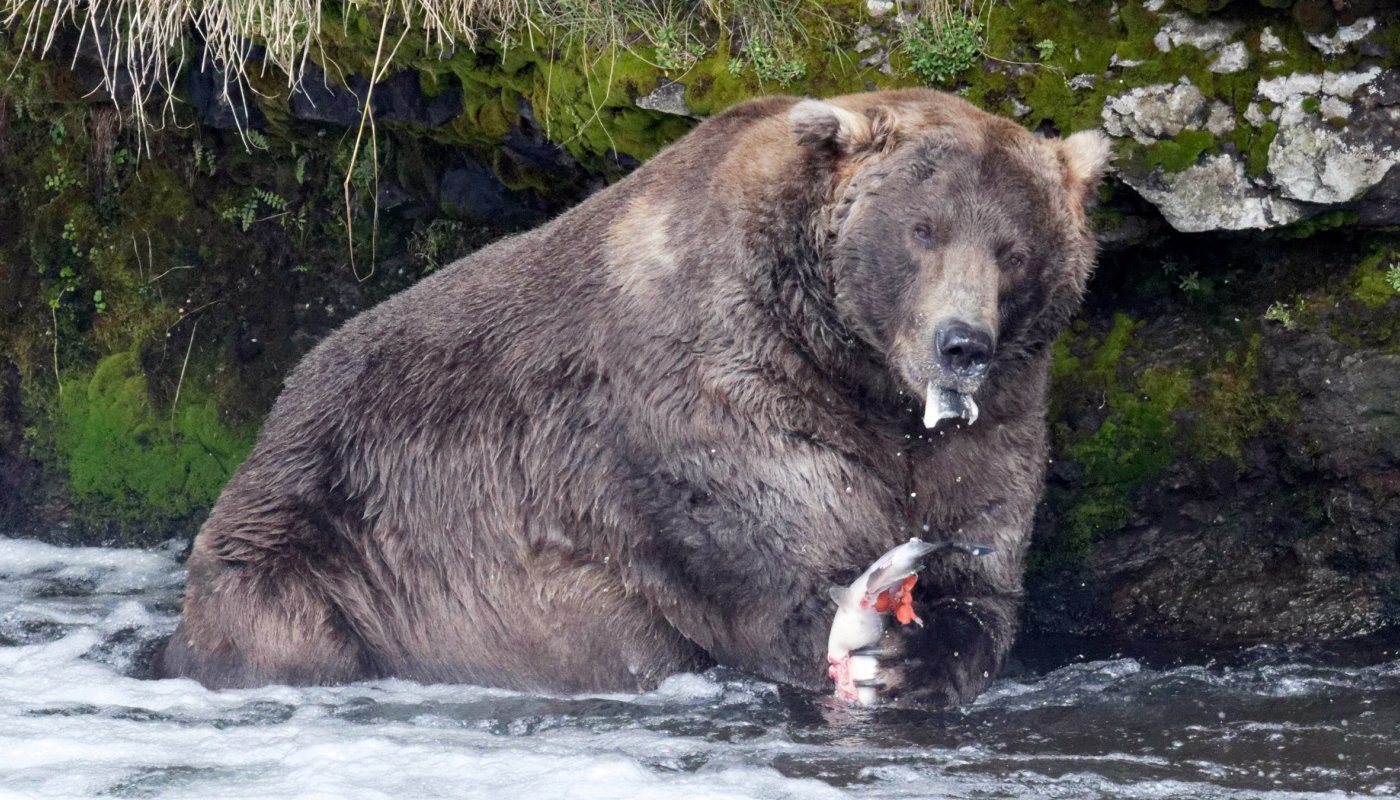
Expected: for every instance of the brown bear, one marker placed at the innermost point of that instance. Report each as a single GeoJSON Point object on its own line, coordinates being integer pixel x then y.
{"type": "Point", "coordinates": [648, 436]}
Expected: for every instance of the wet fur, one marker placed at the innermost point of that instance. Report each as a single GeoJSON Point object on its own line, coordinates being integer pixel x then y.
{"type": "Point", "coordinates": [648, 436]}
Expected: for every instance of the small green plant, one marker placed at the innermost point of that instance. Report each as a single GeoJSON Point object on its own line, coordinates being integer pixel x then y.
{"type": "Point", "coordinates": [675, 51]}
{"type": "Point", "coordinates": [58, 132]}
{"type": "Point", "coordinates": [769, 64]}
{"type": "Point", "coordinates": [67, 284]}
{"type": "Point", "coordinates": [244, 213]}
{"type": "Point", "coordinates": [1392, 277]}
{"type": "Point", "coordinates": [204, 159]}
{"type": "Point", "coordinates": [735, 67]}
{"type": "Point", "coordinates": [440, 243]}
{"type": "Point", "coordinates": [98, 301]}
{"type": "Point", "coordinates": [60, 179]}
{"type": "Point", "coordinates": [120, 156]}
{"type": "Point", "coordinates": [1046, 48]}
{"type": "Point", "coordinates": [70, 235]}
{"type": "Point", "coordinates": [1311, 104]}
{"type": "Point", "coordinates": [1280, 312]}
{"type": "Point", "coordinates": [939, 50]}
{"type": "Point", "coordinates": [1194, 285]}
{"type": "Point", "coordinates": [272, 200]}
{"type": "Point", "coordinates": [256, 139]}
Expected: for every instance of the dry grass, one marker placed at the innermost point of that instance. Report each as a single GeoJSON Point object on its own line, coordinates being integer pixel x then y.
{"type": "Point", "coordinates": [148, 40]}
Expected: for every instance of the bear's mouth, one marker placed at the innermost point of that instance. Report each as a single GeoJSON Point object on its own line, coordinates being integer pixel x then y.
{"type": "Point", "coordinates": [948, 404]}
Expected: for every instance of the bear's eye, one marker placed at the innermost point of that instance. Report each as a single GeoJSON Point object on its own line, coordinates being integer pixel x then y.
{"type": "Point", "coordinates": [923, 232]}
{"type": "Point", "coordinates": [1013, 261]}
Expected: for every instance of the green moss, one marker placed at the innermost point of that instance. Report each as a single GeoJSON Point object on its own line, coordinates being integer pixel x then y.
{"type": "Point", "coordinates": [1311, 104]}
{"type": "Point", "coordinates": [1376, 280]}
{"type": "Point", "coordinates": [1133, 442]}
{"type": "Point", "coordinates": [1147, 418]}
{"type": "Point", "coordinates": [1231, 410]}
{"type": "Point", "coordinates": [1173, 155]}
{"type": "Point", "coordinates": [1315, 225]}
{"type": "Point", "coordinates": [141, 468]}
{"type": "Point", "coordinates": [1256, 148]}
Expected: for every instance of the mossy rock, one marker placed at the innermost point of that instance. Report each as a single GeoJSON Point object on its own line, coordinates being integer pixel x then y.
{"type": "Point", "coordinates": [143, 471]}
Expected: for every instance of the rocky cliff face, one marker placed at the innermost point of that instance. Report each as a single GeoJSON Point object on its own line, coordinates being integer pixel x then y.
{"type": "Point", "coordinates": [1224, 475]}
{"type": "Point", "coordinates": [1227, 408]}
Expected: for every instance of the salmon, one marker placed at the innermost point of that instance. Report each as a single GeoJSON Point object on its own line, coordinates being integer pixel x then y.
{"type": "Point", "coordinates": [886, 587]}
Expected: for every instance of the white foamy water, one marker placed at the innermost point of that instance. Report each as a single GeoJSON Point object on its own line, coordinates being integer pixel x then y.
{"type": "Point", "coordinates": [76, 720]}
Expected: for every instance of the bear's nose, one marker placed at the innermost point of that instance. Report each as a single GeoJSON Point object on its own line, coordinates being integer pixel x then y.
{"type": "Point", "coordinates": [963, 350]}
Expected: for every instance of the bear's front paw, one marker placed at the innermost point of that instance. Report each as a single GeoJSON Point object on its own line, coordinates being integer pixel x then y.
{"type": "Point", "coordinates": [897, 672]}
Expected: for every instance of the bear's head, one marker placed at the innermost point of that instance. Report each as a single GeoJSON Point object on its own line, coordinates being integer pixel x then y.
{"type": "Point", "coordinates": [954, 240]}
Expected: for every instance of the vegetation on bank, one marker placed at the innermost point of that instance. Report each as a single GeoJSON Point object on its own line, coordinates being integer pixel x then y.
{"type": "Point", "coordinates": [193, 266]}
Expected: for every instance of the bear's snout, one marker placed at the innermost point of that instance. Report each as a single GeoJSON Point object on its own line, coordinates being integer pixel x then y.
{"type": "Point", "coordinates": [962, 350]}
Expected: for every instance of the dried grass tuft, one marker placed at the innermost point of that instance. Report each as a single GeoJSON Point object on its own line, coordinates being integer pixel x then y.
{"type": "Point", "coordinates": [143, 45]}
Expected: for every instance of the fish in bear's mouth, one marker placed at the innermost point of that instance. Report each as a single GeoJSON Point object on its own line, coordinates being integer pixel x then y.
{"type": "Point", "coordinates": [948, 404]}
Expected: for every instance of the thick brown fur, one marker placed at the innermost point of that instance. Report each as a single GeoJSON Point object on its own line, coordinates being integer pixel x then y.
{"type": "Point", "coordinates": [647, 436]}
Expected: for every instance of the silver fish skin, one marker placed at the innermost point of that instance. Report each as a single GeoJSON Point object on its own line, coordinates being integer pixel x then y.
{"type": "Point", "coordinates": [857, 624]}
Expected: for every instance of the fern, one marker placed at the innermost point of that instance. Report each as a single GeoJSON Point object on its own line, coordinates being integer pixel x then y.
{"type": "Point", "coordinates": [272, 200]}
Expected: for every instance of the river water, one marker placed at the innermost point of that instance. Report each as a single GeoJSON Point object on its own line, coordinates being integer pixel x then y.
{"type": "Point", "coordinates": [76, 720]}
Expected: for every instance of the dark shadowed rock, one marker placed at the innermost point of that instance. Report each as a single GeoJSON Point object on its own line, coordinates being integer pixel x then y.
{"type": "Point", "coordinates": [1381, 205]}
{"type": "Point", "coordinates": [222, 100]}
{"type": "Point", "coordinates": [319, 98]}
{"type": "Point", "coordinates": [399, 98]}
{"type": "Point", "coordinates": [1295, 541]}
{"type": "Point", "coordinates": [471, 192]}
{"type": "Point", "coordinates": [19, 474]}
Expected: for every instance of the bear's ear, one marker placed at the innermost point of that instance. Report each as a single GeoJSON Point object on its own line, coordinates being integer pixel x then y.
{"type": "Point", "coordinates": [822, 125]}
{"type": "Point", "coordinates": [1084, 157]}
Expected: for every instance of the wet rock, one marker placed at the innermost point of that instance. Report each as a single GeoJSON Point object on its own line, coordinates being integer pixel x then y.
{"type": "Point", "coordinates": [1349, 401]}
{"type": "Point", "coordinates": [319, 99]}
{"type": "Point", "coordinates": [1381, 205]}
{"type": "Point", "coordinates": [526, 147]}
{"type": "Point", "coordinates": [19, 474]}
{"type": "Point", "coordinates": [399, 98]}
{"type": "Point", "coordinates": [1297, 541]}
{"type": "Point", "coordinates": [471, 192]}
{"type": "Point", "coordinates": [98, 80]}
{"type": "Point", "coordinates": [1314, 16]}
{"type": "Point", "coordinates": [223, 100]}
